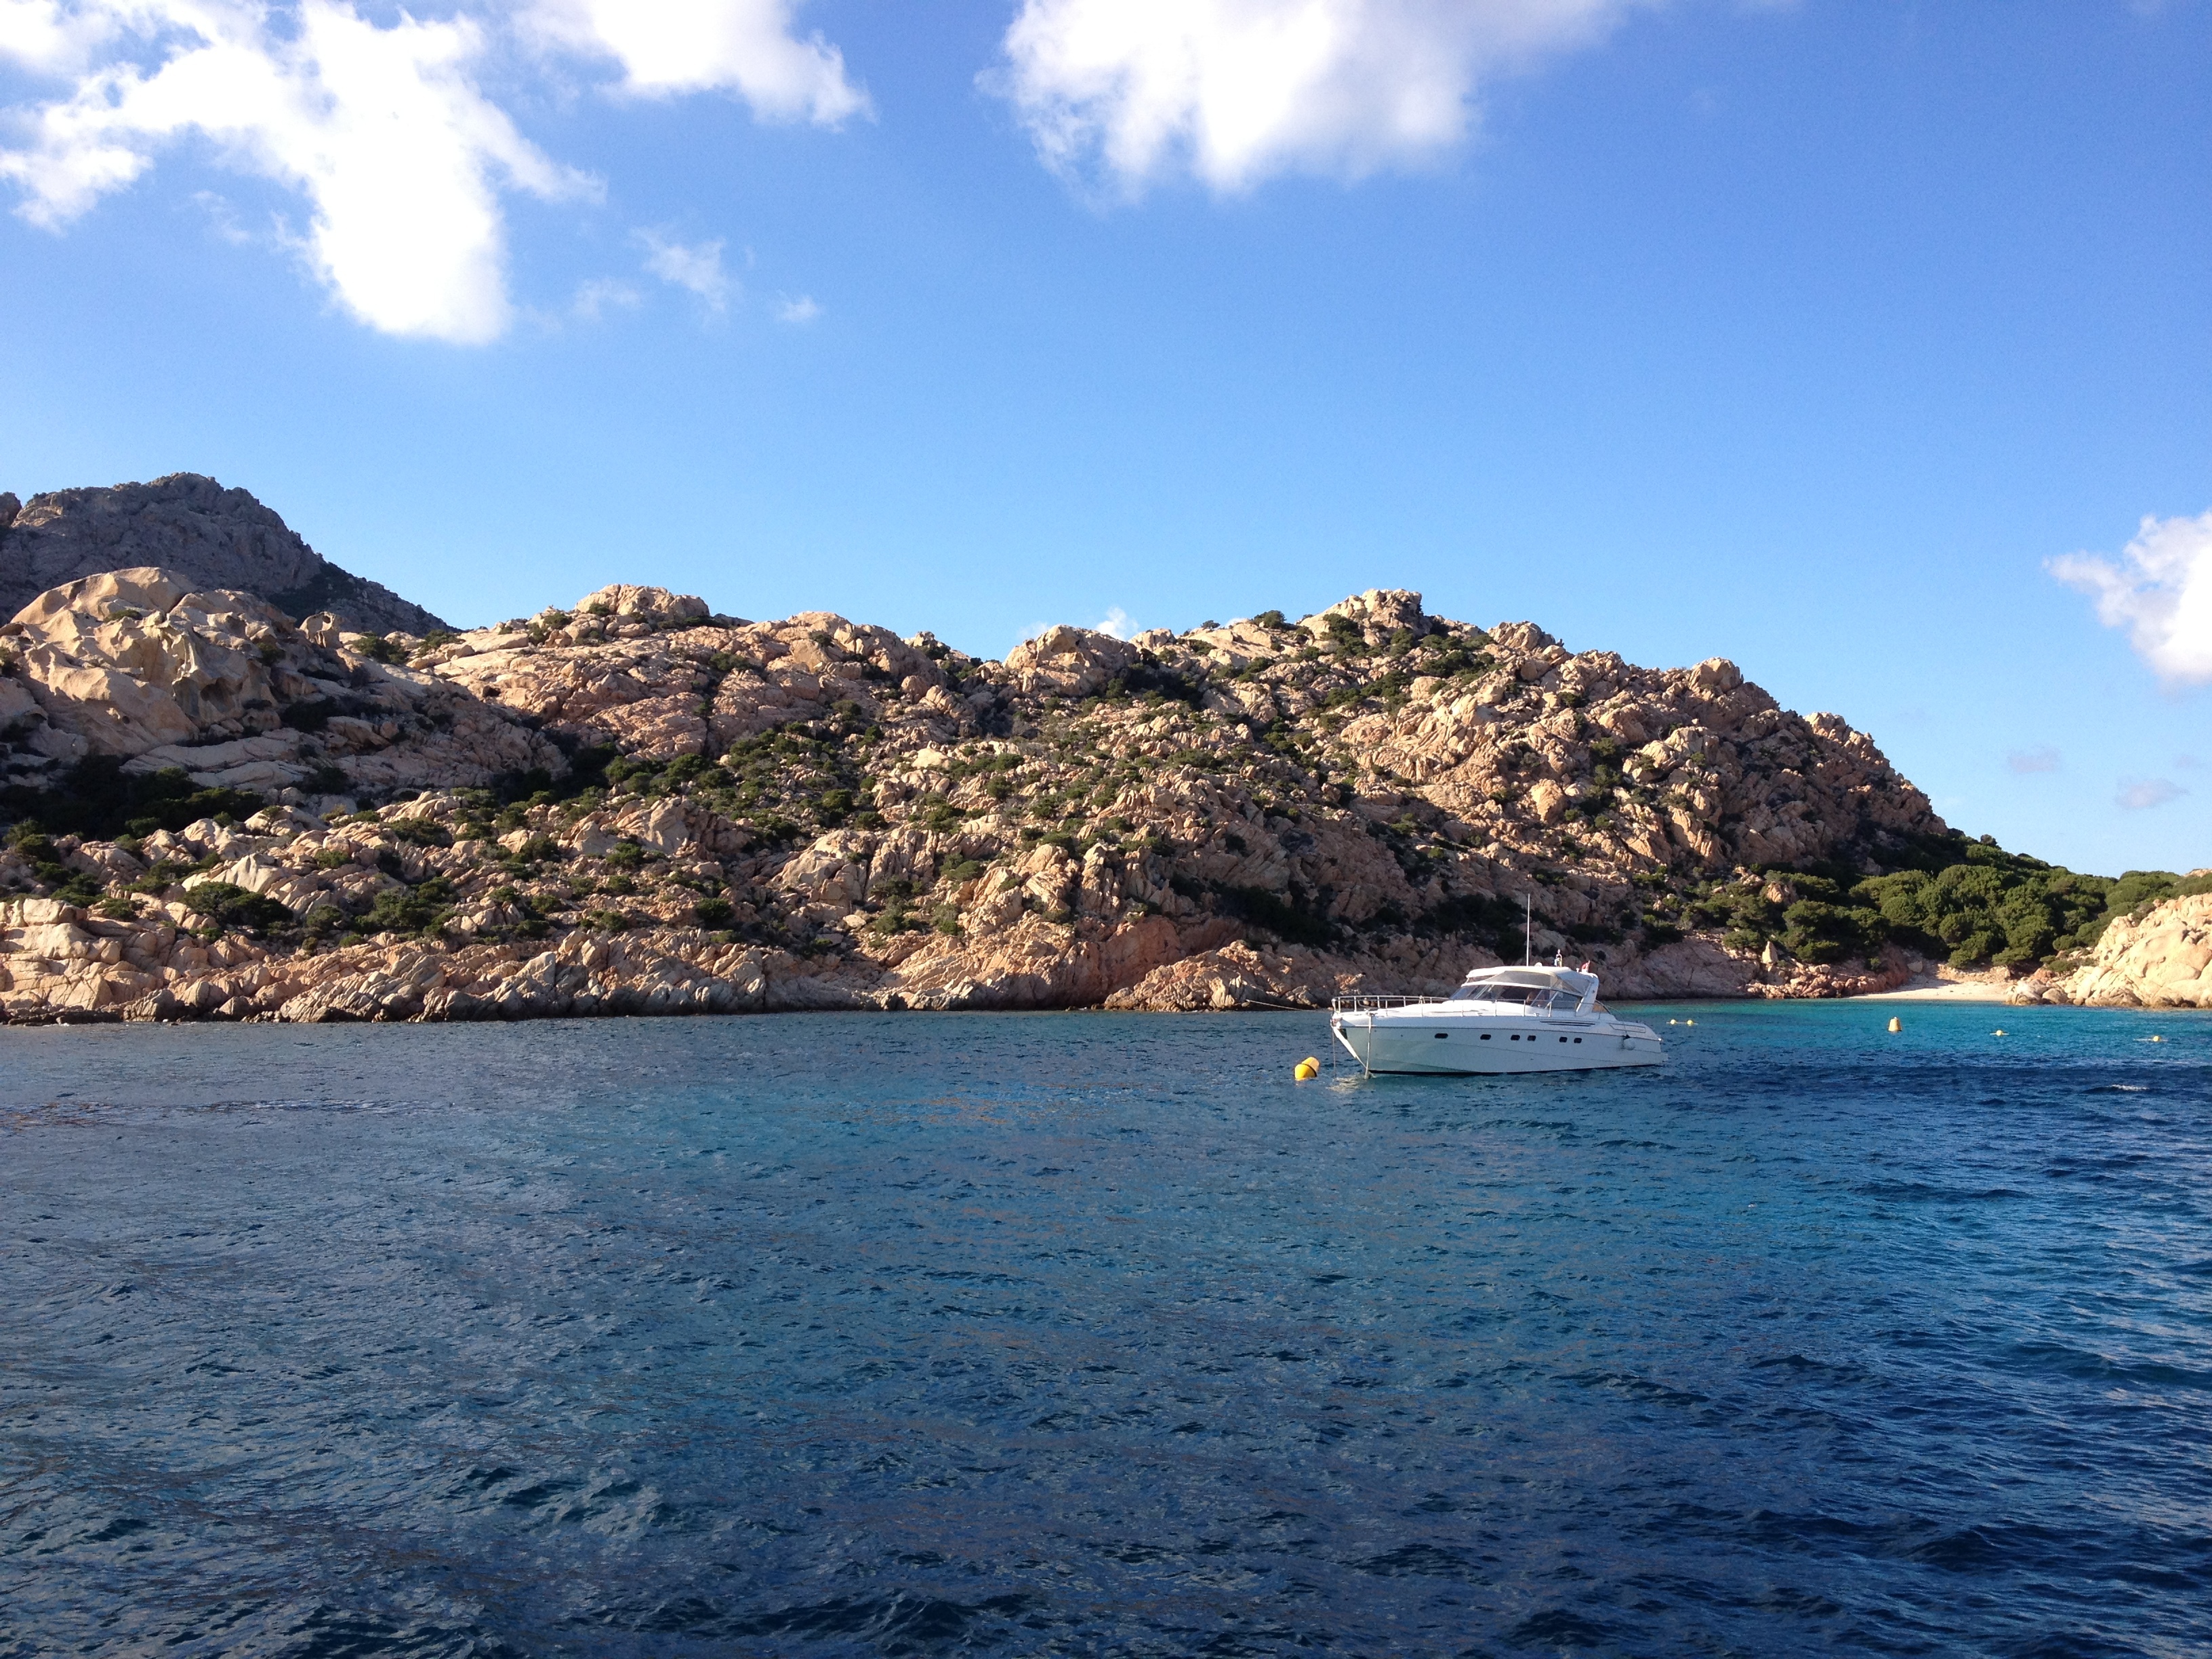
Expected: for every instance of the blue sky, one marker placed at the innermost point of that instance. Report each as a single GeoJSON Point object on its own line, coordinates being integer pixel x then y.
{"type": "Point", "coordinates": [1808, 335]}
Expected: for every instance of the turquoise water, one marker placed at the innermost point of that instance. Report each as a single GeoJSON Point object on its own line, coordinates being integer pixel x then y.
{"type": "Point", "coordinates": [1093, 1335]}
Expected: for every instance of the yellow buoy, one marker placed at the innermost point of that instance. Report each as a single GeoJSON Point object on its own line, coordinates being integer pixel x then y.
{"type": "Point", "coordinates": [1689, 1022]}
{"type": "Point", "coordinates": [1306, 1069]}
{"type": "Point", "coordinates": [2158, 1039]}
{"type": "Point", "coordinates": [1895, 1024]}
{"type": "Point", "coordinates": [1998, 1032]}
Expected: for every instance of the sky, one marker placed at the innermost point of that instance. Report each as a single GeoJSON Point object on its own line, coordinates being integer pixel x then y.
{"type": "Point", "coordinates": [1867, 345]}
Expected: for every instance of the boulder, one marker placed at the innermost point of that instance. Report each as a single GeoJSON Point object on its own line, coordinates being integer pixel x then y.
{"type": "Point", "coordinates": [2161, 959]}
{"type": "Point", "coordinates": [627, 603]}
{"type": "Point", "coordinates": [1075, 662]}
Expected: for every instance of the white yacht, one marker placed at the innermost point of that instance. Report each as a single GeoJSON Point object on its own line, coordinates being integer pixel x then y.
{"type": "Point", "coordinates": [1530, 1018]}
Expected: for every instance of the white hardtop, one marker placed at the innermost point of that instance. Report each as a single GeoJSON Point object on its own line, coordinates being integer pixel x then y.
{"type": "Point", "coordinates": [1536, 984]}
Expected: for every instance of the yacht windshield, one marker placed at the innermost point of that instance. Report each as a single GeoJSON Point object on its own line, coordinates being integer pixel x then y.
{"type": "Point", "coordinates": [1526, 996]}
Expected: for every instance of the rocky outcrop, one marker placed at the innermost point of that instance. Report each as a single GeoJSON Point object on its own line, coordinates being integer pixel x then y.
{"type": "Point", "coordinates": [636, 805]}
{"type": "Point", "coordinates": [2161, 958]}
{"type": "Point", "coordinates": [206, 537]}
{"type": "Point", "coordinates": [137, 665]}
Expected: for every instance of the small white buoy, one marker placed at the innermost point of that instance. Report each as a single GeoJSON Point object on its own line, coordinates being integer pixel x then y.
{"type": "Point", "coordinates": [1689, 1022]}
{"type": "Point", "coordinates": [2158, 1039]}
{"type": "Point", "coordinates": [1998, 1032]}
{"type": "Point", "coordinates": [1895, 1024]}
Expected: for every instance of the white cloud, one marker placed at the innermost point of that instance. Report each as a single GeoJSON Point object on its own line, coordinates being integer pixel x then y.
{"type": "Point", "coordinates": [43, 34]}
{"type": "Point", "coordinates": [697, 267]}
{"type": "Point", "coordinates": [2137, 794]}
{"type": "Point", "coordinates": [386, 131]}
{"type": "Point", "coordinates": [596, 298]}
{"type": "Point", "coordinates": [1237, 90]}
{"type": "Point", "coordinates": [1117, 624]}
{"type": "Point", "coordinates": [2160, 591]}
{"type": "Point", "coordinates": [397, 152]}
{"type": "Point", "coordinates": [798, 311]}
{"type": "Point", "coordinates": [2042, 758]}
{"type": "Point", "coordinates": [744, 46]}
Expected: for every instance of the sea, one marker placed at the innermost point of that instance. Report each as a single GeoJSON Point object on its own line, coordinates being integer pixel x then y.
{"type": "Point", "coordinates": [1100, 1335]}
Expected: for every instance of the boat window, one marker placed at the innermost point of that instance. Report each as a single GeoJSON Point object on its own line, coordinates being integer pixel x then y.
{"type": "Point", "coordinates": [1527, 995]}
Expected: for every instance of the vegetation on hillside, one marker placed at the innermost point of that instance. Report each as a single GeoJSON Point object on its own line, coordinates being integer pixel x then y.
{"type": "Point", "coordinates": [1966, 902]}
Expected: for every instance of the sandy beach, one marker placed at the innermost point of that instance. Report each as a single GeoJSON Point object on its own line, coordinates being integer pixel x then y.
{"type": "Point", "coordinates": [1946, 990]}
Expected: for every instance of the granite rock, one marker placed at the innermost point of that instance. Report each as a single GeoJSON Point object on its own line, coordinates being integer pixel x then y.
{"type": "Point", "coordinates": [208, 536]}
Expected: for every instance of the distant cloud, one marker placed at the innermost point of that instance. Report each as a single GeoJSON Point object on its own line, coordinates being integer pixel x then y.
{"type": "Point", "coordinates": [1236, 91]}
{"type": "Point", "coordinates": [672, 46]}
{"type": "Point", "coordinates": [2138, 794]}
{"type": "Point", "coordinates": [222, 218]}
{"type": "Point", "coordinates": [697, 268]}
{"type": "Point", "coordinates": [798, 311]}
{"type": "Point", "coordinates": [2041, 758]}
{"type": "Point", "coordinates": [384, 129]}
{"type": "Point", "coordinates": [595, 298]}
{"type": "Point", "coordinates": [2160, 591]}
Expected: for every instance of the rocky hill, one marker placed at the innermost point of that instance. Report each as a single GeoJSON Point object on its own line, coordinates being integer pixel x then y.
{"type": "Point", "coordinates": [641, 806]}
{"type": "Point", "coordinates": [205, 535]}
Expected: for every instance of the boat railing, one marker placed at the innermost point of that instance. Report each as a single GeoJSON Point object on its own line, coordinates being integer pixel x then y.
{"type": "Point", "coordinates": [1360, 1002]}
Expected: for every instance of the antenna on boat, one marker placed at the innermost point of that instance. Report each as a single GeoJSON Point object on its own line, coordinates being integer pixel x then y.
{"type": "Point", "coordinates": [1528, 931]}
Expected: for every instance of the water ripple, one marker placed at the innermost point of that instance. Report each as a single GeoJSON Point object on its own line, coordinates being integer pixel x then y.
{"type": "Point", "coordinates": [1090, 1335]}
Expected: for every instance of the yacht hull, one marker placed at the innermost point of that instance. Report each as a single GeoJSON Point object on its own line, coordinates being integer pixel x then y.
{"type": "Point", "coordinates": [1462, 1048]}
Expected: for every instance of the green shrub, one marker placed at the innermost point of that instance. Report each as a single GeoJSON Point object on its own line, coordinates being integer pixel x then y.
{"type": "Point", "coordinates": [96, 798]}
{"type": "Point", "coordinates": [376, 648]}
{"type": "Point", "coordinates": [1285, 917]}
{"type": "Point", "coordinates": [1818, 932]}
{"type": "Point", "coordinates": [1992, 904]}
{"type": "Point", "coordinates": [231, 906]}
{"type": "Point", "coordinates": [715, 912]}
{"type": "Point", "coordinates": [323, 920]}
{"type": "Point", "coordinates": [398, 911]}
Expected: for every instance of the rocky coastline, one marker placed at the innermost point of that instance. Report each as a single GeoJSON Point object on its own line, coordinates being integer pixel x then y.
{"type": "Point", "coordinates": [638, 806]}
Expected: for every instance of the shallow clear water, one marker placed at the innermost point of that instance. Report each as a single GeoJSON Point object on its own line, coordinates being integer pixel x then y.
{"type": "Point", "coordinates": [1096, 1334]}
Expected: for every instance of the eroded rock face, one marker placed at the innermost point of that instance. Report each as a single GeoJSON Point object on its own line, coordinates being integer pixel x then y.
{"type": "Point", "coordinates": [816, 813]}
{"type": "Point", "coordinates": [1075, 662]}
{"type": "Point", "coordinates": [2162, 959]}
{"type": "Point", "coordinates": [136, 664]}
{"type": "Point", "coordinates": [208, 538]}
